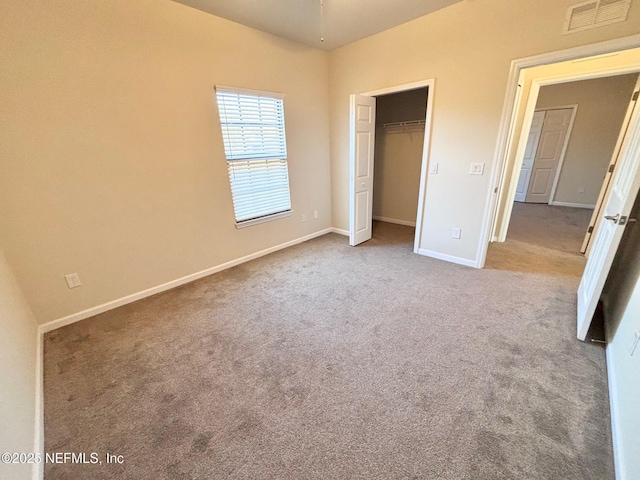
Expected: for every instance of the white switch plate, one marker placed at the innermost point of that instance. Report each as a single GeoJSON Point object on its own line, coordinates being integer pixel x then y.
{"type": "Point", "coordinates": [315, 214]}
{"type": "Point", "coordinates": [636, 338]}
{"type": "Point", "coordinates": [73, 280]}
{"type": "Point", "coordinates": [456, 233]}
{"type": "Point", "coordinates": [433, 168]}
{"type": "Point", "coordinates": [303, 218]}
{"type": "Point", "coordinates": [476, 169]}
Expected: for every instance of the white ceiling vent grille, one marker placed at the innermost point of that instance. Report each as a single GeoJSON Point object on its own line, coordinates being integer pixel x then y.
{"type": "Point", "coordinates": [595, 13]}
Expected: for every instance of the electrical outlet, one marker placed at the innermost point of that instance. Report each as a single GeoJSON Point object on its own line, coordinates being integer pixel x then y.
{"type": "Point", "coordinates": [315, 214]}
{"type": "Point", "coordinates": [433, 168]}
{"type": "Point", "coordinates": [73, 280]}
{"type": "Point", "coordinates": [636, 338]}
{"type": "Point", "coordinates": [456, 233]}
{"type": "Point", "coordinates": [303, 218]}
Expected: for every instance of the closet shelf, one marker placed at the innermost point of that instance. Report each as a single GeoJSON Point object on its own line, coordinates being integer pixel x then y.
{"type": "Point", "coordinates": [408, 123]}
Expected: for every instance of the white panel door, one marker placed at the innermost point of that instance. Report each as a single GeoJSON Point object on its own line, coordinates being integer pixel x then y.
{"type": "Point", "coordinates": [529, 156]}
{"type": "Point", "coordinates": [550, 150]}
{"type": "Point", "coordinates": [625, 183]}
{"type": "Point", "coordinates": [604, 190]}
{"type": "Point", "coordinates": [362, 141]}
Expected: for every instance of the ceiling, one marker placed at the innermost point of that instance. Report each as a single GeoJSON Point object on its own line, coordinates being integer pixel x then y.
{"type": "Point", "coordinates": [344, 21]}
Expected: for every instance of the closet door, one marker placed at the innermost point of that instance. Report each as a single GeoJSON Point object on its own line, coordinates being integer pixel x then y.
{"type": "Point", "coordinates": [362, 143]}
{"type": "Point", "coordinates": [529, 156]}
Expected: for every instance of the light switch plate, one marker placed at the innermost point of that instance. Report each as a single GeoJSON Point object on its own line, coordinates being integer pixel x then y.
{"type": "Point", "coordinates": [433, 168]}
{"type": "Point", "coordinates": [476, 169]}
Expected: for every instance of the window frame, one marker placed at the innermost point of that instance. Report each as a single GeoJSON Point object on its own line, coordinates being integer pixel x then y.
{"type": "Point", "coordinates": [259, 156]}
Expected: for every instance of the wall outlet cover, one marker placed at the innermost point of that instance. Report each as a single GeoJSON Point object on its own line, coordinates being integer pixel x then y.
{"type": "Point", "coordinates": [73, 280]}
{"type": "Point", "coordinates": [456, 233]}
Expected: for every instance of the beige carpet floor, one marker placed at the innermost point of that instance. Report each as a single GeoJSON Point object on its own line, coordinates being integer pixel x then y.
{"type": "Point", "coordinates": [325, 361]}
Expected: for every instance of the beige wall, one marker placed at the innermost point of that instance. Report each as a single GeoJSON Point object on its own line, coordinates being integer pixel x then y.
{"type": "Point", "coordinates": [467, 48]}
{"type": "Point", "coordinates": [622, 312]}
{"type": "Point", "coordinates": [110, 148]}
{"type": "Point", "coordinates": [602, 104]}
{"type": "Point", "coordinates": [398, 158]}
{"type": "Point", "coordinates": [17, 373]}
{"type": "Point", "coordinates": [398, 155]}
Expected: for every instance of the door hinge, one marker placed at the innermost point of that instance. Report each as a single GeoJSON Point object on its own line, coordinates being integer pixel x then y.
{"type": "Point", "coordinates": [611, 167]}
{"type": "Point", "coordinates": [590, 229]}
{"type": "Point", "coordinates": [635, 96]}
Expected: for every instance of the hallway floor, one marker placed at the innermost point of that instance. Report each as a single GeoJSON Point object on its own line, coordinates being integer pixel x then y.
{"type": "Point", "coordinates": [542, 239]}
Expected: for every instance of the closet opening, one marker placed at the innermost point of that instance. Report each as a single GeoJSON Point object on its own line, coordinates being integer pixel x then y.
{"type": "Point", "coordinates": [389, 143]}
{"type": "Point", "coordinates": [399, 141]}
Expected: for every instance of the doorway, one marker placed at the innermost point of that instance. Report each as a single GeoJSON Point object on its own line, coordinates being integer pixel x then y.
{"type": "Point", "coordinates": [530, 75]}
{"type": "Point", "coordinates": [399, 141]}
{"type": "Point", "coordinates": [403, 122]}
{"type": "Point", "coordinates": [567, 156]}
{"type": "Point", "coordinates": [527, 81]}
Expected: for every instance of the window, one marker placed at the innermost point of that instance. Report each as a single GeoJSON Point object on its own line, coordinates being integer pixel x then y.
{"type": "Point", "coordinates": [256, 149]}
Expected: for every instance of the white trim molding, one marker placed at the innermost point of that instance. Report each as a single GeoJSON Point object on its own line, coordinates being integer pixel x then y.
{"type": "Point", "coordinates": [618, 452]}
{"type": "Point", "coordinates": [448, 258]}
{"type": "Point", "coordinates": [394, 220]}
{"type": "Point", "coordinates": [574, 205]}
{"type": "Point", "coordinates": [38, 437]}
{"type": "Point", "coordinates": [340, 231]}
{"type": "Point", "coordinates": [90, 312]}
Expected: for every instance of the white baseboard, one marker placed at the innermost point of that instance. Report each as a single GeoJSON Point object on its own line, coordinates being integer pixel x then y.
{"type": "Point", "coordinates": [395, 220]}
{"type": "Point", "coordinates": [448, 258]}
{"type": "Point", "coordinates": [340, 231]}
{"type": "Point", "coordinates": [90, 312]}
{"type": "Point", "coordinates": [574, 205]}
{"type": "Point", "coordinates": [618, 455]}
{"type": "Point", "coordinates": [38, 437]}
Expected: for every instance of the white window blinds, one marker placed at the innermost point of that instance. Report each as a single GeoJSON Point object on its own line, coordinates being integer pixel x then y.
{"type": "Point", "coordinates": [255, 145]}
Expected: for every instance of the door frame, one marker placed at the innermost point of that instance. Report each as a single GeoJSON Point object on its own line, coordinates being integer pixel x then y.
{"type": "Point", "coordinates": [426, 148]}
{"type": "Point", "coordinates": [512, 108]}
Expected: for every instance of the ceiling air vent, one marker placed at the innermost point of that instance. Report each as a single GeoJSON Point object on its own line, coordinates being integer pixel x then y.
{"type": "Point", "coordinates": [595, 13]}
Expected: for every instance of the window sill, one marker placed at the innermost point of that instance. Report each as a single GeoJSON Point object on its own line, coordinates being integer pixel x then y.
{"type": "Point", "coordinates": [267, 218]}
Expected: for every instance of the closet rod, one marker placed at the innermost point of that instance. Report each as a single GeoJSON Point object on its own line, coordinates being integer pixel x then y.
{"type": "Point", "coordinates": [403, 124]}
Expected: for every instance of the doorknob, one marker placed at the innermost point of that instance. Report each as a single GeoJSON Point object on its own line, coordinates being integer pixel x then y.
{"type": "Point", "coordinates": [613, 218]}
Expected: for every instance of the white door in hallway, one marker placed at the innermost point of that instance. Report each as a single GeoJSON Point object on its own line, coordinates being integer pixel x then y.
{"type": "Point", "coordinates": [362, 143]}
{"type": "Point", "coordinates": [625, 184]}
{"type": "Point", "coordinates": [604, 190]}
{"type": "Point", "coordinates": [551, 148]}
{"type": "Point", "coordinates": [529, 156]}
